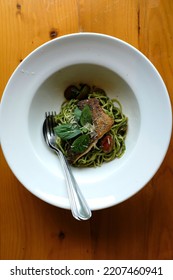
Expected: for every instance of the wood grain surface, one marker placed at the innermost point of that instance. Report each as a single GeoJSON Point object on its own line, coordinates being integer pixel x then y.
{"type": "Point", "coordinates": [139, 228]}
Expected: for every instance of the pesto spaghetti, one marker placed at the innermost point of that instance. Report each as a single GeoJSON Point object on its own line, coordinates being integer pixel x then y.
{"type": "Point", "coordinates": [91, 128]}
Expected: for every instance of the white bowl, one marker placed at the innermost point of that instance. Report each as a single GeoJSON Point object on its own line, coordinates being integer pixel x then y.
{"type": "Point", "coordinates": [37, 86]}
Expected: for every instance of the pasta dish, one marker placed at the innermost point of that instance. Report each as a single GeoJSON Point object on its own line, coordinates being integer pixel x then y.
{"type": "Point", "coordinates": [91, 128]}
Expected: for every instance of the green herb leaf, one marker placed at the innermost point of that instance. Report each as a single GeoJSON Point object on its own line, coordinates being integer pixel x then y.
{"type": "Point", "coordinates": [86, 116]}
{"type": "Point", "coordinates": [67, 131]}
{"type": "Point", "coordinates": [77, 113]}
{"type": "Point", "coordinates": [84, 92]}
{"type": "Point", "coordinates": [80, 144]}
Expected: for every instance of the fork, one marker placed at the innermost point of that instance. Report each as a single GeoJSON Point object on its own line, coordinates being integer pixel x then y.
{"type": "Point", "coordinates": [79, 207]}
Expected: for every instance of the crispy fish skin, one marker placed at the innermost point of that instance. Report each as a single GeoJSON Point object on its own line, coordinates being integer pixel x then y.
{"type": "Point", "coordinates": [101, 121]}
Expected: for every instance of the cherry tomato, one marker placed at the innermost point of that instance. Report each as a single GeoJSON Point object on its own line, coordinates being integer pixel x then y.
{"type": "Point", "coordinates": [107, 144]}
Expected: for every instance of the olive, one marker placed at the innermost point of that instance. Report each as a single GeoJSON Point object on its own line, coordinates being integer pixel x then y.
{"type": "Point", "coordinates": [71, 92]}
{"type": "Point", "coordinates": [99, 90]}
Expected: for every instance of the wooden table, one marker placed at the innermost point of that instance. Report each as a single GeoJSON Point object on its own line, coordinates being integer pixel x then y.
{"type": "Point", "coordinates": [139, 228]}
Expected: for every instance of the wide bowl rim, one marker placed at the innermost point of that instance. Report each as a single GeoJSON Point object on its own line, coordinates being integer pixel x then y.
{"type": "Point", "coordinates": [103, 37]}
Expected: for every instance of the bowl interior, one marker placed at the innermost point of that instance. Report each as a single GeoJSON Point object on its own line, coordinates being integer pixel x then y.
{"type": "Point", "coordinates": [50, 95]}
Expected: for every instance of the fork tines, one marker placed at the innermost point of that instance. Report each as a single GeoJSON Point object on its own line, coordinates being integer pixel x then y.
{"type": "Point", "coordinates": [49, 114]}
{"type": "Point", "coordinates": [50, 121]}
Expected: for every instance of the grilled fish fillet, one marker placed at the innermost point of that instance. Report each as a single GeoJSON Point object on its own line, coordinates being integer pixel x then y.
{"type": "Point", "coordinates": [101, 121]}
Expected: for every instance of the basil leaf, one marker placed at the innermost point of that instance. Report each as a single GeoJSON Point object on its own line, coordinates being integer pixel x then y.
{"type": "Point", "coordinates": [86, 116]}
{"type": "Point", "coordinates": [77, 113]}
{"type": "Point", "coordinates": [80, 144]}
{"type": "Point", "coordinates": [67, 131]}
{"type": "Point", "coordinates": [84, 92]}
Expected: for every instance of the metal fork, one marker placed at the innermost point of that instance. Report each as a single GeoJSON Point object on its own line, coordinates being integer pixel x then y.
{"type": "Point", "coordinates": [79, 207]}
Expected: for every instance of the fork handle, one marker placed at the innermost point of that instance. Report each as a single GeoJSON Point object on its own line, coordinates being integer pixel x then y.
{"type": "Point", "coordinates": [79, 207]}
